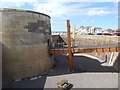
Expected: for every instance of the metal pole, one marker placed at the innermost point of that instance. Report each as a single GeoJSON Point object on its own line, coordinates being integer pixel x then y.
{"type": "Point", "coordinates": [70, 54]}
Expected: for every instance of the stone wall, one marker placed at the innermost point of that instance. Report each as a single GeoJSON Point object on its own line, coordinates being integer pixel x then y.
{"type": "Point", "coordinates": [24, 41]}
{"type": "Point", "coordinates": [93, 41]}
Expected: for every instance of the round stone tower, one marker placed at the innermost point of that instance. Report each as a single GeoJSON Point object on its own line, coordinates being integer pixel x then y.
{"type": "Point", "coordinates": [25, 37]}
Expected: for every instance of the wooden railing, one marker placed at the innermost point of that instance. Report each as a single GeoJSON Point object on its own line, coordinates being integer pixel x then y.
{"type": "Point", "coordinates": [71, 50]}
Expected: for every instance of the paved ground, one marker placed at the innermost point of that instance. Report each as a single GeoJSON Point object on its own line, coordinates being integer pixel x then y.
{"type": "Point", "coordinates": [119, 81]}
{"type": "Point", "coordinates": [95, 75]}
{"type": "Point", "coordinates": [85, 80]}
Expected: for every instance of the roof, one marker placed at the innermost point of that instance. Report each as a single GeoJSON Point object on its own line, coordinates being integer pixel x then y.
{"type": "Point", "coordinates": [108, 30]}
{"type": "Point", "coordinates": [98, 28]}
{"type": "Point", "coordinates": [88, 27]}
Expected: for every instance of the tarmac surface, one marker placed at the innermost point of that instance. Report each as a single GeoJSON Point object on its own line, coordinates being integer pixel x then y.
{"type": "Point", "coordinates": [88, 73]}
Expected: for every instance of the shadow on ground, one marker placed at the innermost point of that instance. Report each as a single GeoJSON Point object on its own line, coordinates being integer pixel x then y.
{"type": "Point", "coordinates": [82, 64]}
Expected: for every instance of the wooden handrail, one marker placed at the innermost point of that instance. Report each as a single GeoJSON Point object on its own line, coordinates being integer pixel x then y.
{"type": "Point", "coordinates": [85, 50]}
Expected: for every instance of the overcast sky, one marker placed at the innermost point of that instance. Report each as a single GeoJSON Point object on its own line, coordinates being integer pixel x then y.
{"type": "Point", "coordinates": [98, 13]}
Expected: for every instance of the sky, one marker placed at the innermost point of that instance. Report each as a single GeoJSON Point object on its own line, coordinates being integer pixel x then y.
{"type": "Point", "coordinates": [97, 13]}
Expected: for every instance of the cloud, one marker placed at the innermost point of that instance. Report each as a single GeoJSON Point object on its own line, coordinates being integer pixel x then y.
{"type": "Point", "coordinates": [98, 11]}
{"type": "Point", "coordinates": [82, 0]}
{"type": "Point", "coordinates": [52, 9]}
{"type": "Point", "coordinates": [58, 8]}
{"type": "Point", "coordinates": [17, 1]}
{"type": "Point", "coordinates": [57, 1]}
{"type": "Point", "coordinates": [70, 10]}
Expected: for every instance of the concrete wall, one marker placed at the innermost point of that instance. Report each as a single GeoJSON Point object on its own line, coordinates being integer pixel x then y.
{"type": "Point", "coordinates": [92, 41]}
{"type": "Point", "coordinates": [24, 44]}
{"type": "Point", "coordinates": [97, 40]}
{"type": "Point", "coordinates": [111, 58]}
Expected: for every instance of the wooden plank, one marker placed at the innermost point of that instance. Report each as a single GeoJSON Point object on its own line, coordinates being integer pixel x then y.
{"type": "Point", "coordinates": [82, 50]}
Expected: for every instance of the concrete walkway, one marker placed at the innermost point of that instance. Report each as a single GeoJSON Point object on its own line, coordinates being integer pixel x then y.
{"type": "Point", "coordinates": [85, 80]}
{"type": "Point", "coordinates": [95, 75]}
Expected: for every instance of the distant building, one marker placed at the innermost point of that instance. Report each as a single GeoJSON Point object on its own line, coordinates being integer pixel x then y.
{"type": "Point", "coordinates": [117, 31]}
{"type": "Point", "coordinates": [89, 30]}
{"type": "Point", "coordinates": [98, 30]}
{"type": "Point", "coordinates": [59, 32]}
{"type": "Point", "coordinates": [108, 31]}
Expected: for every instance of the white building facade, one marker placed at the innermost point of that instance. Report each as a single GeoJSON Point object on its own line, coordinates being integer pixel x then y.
{"type": "Point", "coordinates": [89, 30]}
